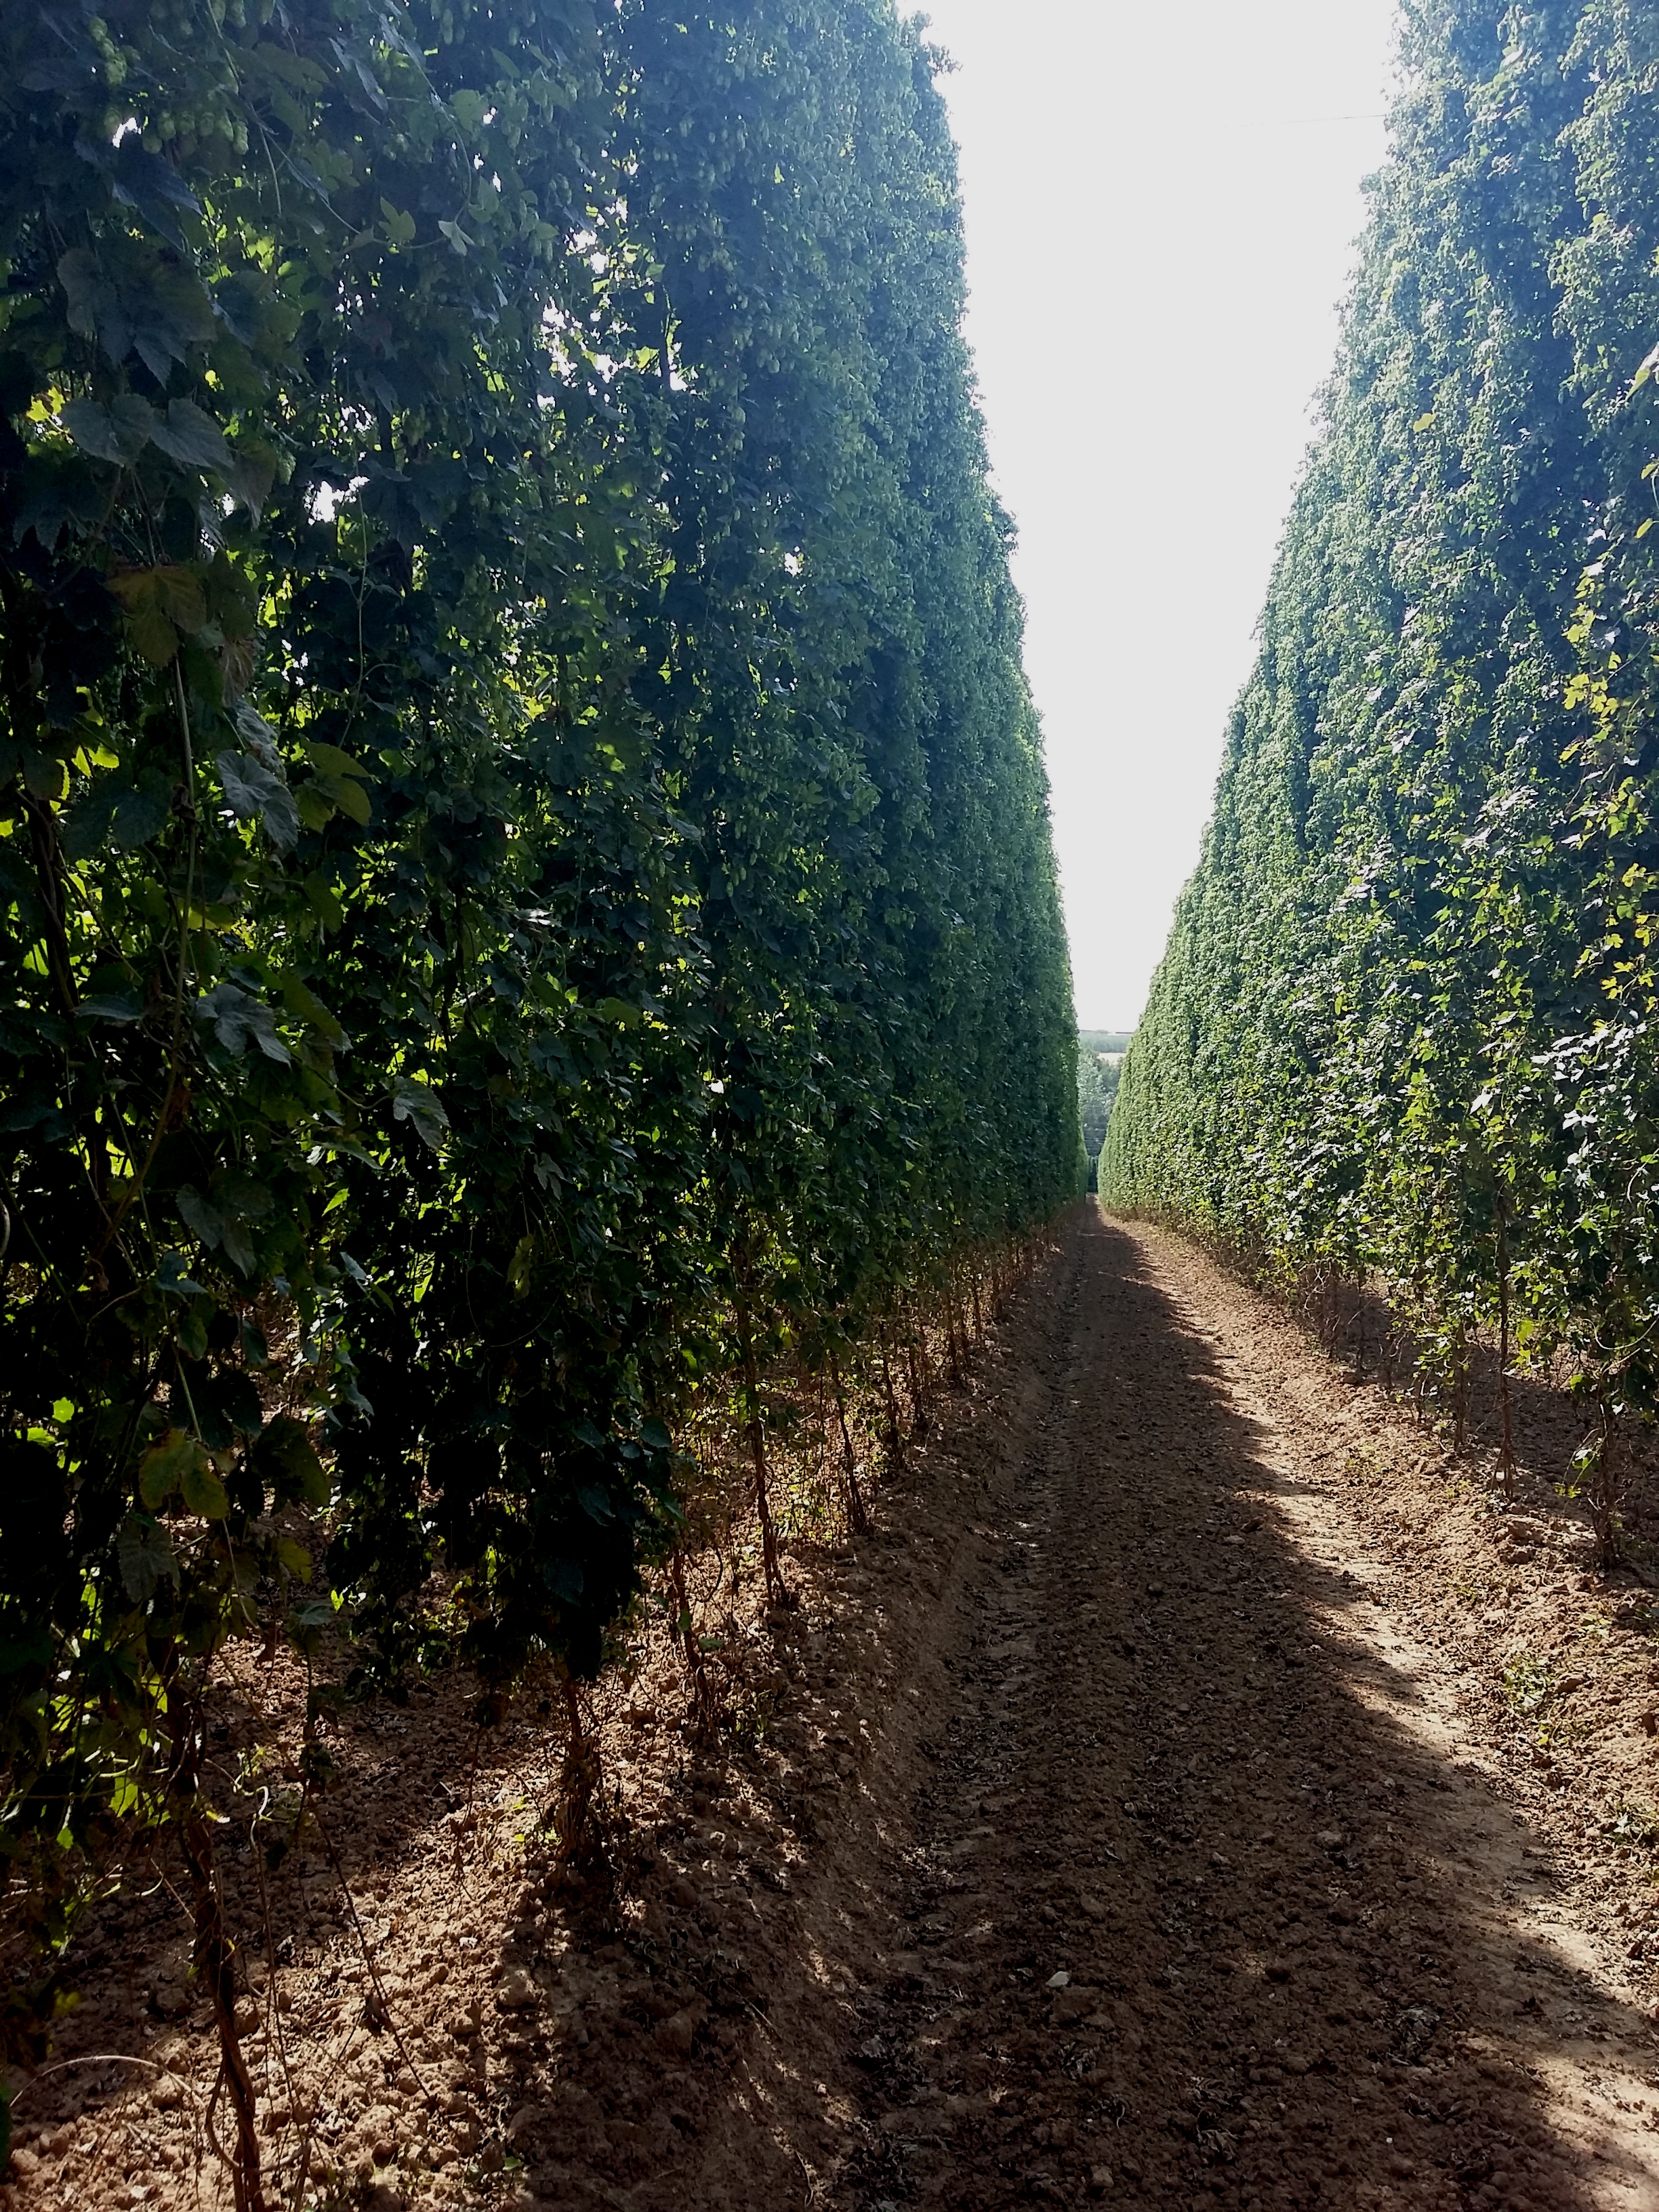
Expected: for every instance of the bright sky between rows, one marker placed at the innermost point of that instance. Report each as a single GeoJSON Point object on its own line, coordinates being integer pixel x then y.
{"type": "Point", "coordinates": [1162, 206]}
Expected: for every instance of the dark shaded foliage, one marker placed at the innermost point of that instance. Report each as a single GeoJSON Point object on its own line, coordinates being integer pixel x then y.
{"type": "Point", "coordinates": [525, 864]}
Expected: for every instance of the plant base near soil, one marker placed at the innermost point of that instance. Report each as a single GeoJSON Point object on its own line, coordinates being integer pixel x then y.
{"type": "Point", "coordinates": [1190, 1794]}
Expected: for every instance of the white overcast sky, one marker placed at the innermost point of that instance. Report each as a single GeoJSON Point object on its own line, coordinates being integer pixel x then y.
{"type": "Point", "coordinates": [1161, 204]}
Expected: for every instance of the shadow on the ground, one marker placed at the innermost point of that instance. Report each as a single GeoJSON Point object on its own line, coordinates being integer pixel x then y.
{"type": "Point", "coordinates": [1293, 1979]}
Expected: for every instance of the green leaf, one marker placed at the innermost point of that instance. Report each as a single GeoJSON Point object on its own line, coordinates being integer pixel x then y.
{"type": "Point", "coordinates": [45, 775]}
{"type": "Point", "coordinates": [240, 1247]}
{"type": "Point", "coordinates": [204, 1492]}
{"type": "Point", "coordinates": [415, 1103]}
{"type": "Point", "coordinates": [306, 1626]}
{"type": "Point", "coordinates": [250, 471]}
{"type": "Point", "coordinates": [139, 815]}
{"type": "Point", "coordinates": [316, 809]}
{"type": "Point", "coordinates": [348, 796]}
{"type": "Point", "coordinates": [191, 438]}
{"type": "Point", "coordinates": [171, 1278]}
{"type": "Point", "coordinates": [243, 1196]}
{"type": "Point", "coordinates": [154, 638]}
{"type": "Point", "coordinates": [339, 781]}
{"type": "Point", "coordinates": [200, 1216]}
{"type": "Point", "coordinates": [164, 1466]}
{"type": "Point", "coordinates": [240, 1018]}
{"type": "Point", "coordinates": [117, 433]}
{"type": "Point", "coordinates": [284, 1457]}
{"type": "Point", "coordinates": [160, 603]}
{"type": "Point", "coordinates": [306, 1007]}
{"type": "Point", "coordinates": [125, 816]}
{"type": "Point", "coordinates": [117, 1006]}
{"type": "Point", "coordinates": [146, 1557]}
{"type": "Point", "coordinates": [295, 1557]}
{"type": "Point", "coordinates": [332, 761]}
{"type": "Point", "coordinates": [255, 793]}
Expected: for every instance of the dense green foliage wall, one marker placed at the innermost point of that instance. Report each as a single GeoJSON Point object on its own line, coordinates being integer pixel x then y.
{"type": "Point", "coordinates": [523, 840]}
{"type": "Point", "coordinates": [1404, 1027]}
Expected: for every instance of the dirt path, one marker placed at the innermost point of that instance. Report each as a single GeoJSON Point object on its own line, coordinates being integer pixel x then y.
{"type": "Point", "coordinates": [1137, 1816]}
{"type": "Point", "coordinates": [1170, 1884]}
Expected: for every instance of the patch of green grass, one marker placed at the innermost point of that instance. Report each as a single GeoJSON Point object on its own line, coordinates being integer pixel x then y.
{"type": "Point", "coordinates": [1562, 1735]}
{"type": "Point", "coordinates": [1529, 1683]}
{"type": "Point", "coordinates": [1633, 1825]}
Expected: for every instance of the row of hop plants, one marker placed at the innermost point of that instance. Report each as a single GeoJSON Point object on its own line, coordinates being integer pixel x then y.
{"type": "Point", "coordinates": [1401, 1046]}
{"type": "Point", "coordinates": [526, 874]}
{"type": "Point", "coordinates": [837, 1428]}
{"type": "Point", "coordinates": [702, 1640]}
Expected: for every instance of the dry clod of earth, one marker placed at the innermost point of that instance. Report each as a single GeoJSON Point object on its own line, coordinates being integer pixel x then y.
{"type": "Point", "coordinates": [1191, 1794]}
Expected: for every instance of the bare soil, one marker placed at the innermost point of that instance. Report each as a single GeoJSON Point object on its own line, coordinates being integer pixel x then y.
{"type": "Point", "coordinates": [1194, 1792]}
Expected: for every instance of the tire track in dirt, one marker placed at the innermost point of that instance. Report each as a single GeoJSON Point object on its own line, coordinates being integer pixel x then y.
{"type": "Point", "coordinates": [1191, 1908]}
